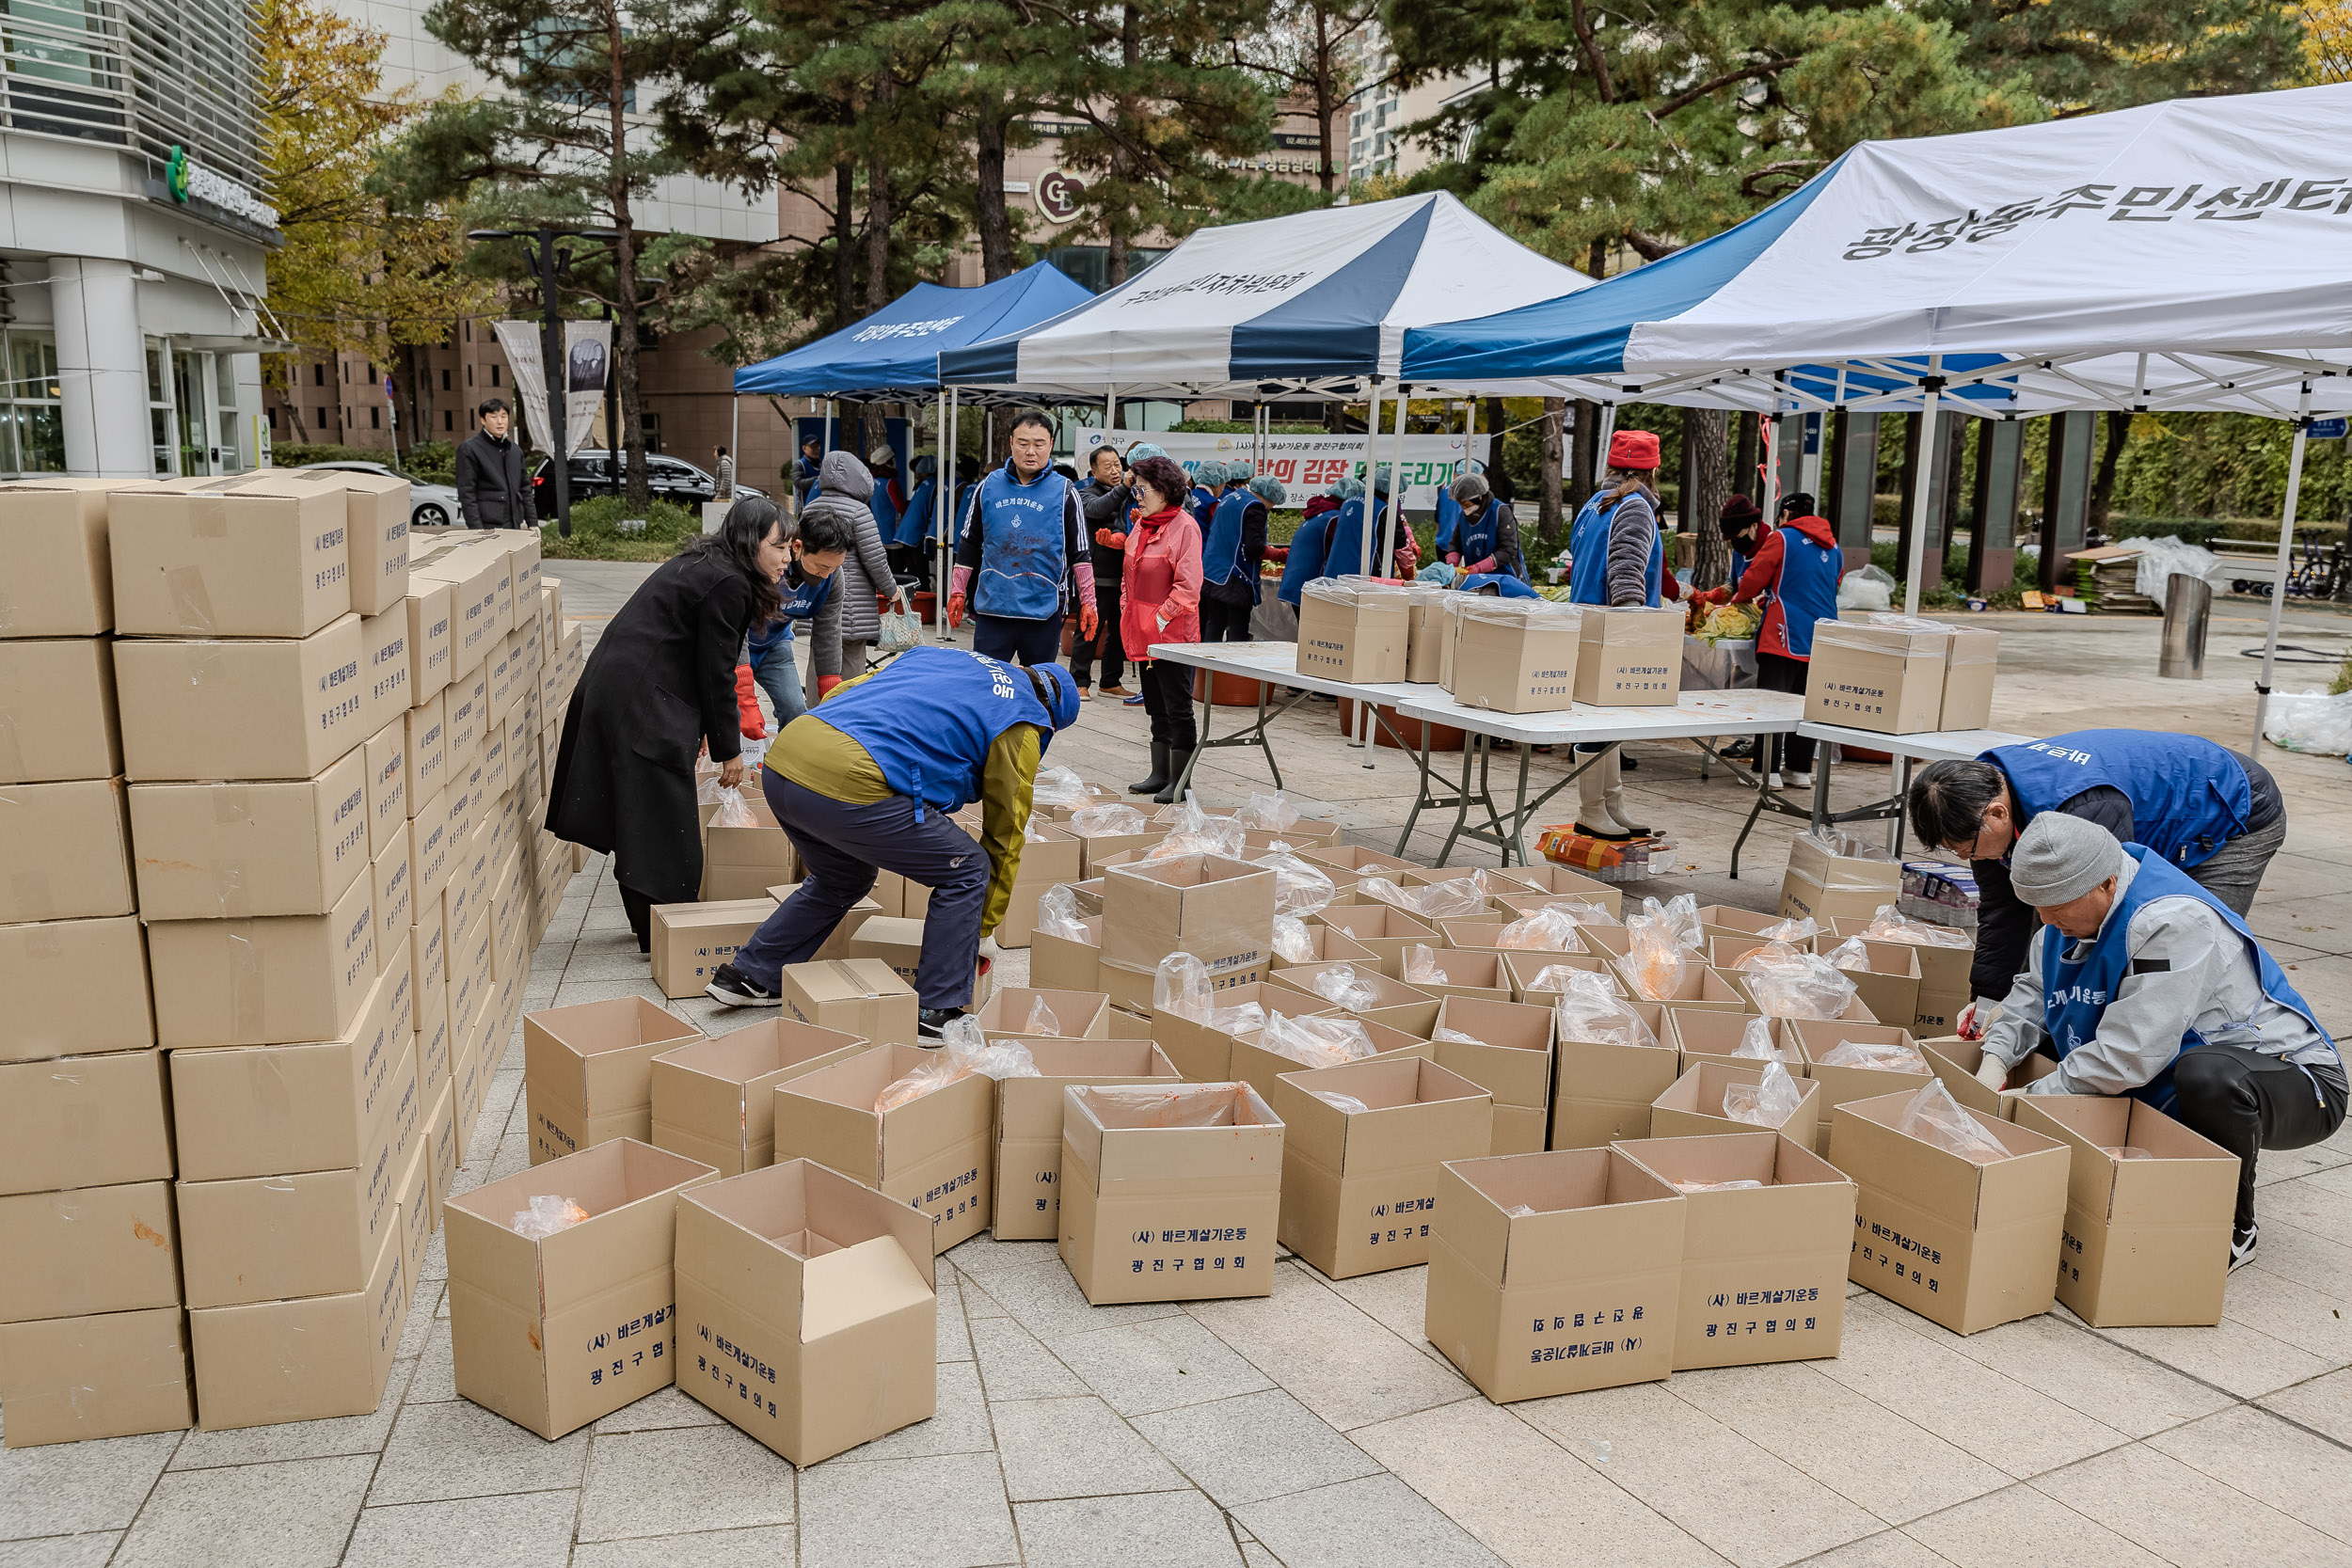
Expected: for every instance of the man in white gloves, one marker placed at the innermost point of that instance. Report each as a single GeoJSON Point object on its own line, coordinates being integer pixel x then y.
{"type": "Point", "coordinates": [2143, 983]}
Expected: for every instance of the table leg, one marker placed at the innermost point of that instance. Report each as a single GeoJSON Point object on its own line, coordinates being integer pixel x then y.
{"type": "Point", "coordinates": [1902, 798]}
{"type": "Point", "coordinates": [1265, 742]}
{"type": "Point", "coordinates": [1763, 792]}
{"type": "Point", "coordinates": [1820, 784]}
{"type": "Point", "coordinates": [1519, 811]}
{"type": "Point", "coordinates": [1471, 743]}
{"type": "Point", "coordinates": [1420, 796]}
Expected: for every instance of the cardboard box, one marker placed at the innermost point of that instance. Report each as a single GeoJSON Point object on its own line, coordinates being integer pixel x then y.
{"type": "Point", "coordinates": [474, 579]}
{"type": "Point", "coordinates": [465, 711]}
{"type": "Point", "coordinates": [814, 1297]}
{"type": "Point", "coordinates": [1538, 979]}
{"type": "Point", "coordinates": [1349, 863]}
{"type": "Point", "coordinates": [1077, 1015]}
{"type": "Point", "coordinates": [1817, 1038]}
{"type": "Point", "coordinates": [1395, 1004]}
{"type": "Point", "coordinates": [424, 752]}
{"type": "Point", "coordinates": [1428, 634]}
{"type": "Point", "coordinates": [1511, 1059]}
{"type": "Point", "coordinates": [1886, 679]}
{"type": "Point", "coordinates": [1962, 1244]}
{"type": "Point", "coordinates": [272, 980]}
{"type": "Point", "coordinates": [1693, 1106]}
{"type": "Point", "coordinates": [714, 1100]}
{"type": "Point", "coordinates": [384, 666]}
{"type": "Point", "coordinates": [743, 862]}
{"type": "Point", "coordinates": [692, 941]}
{"type": "Point", "coordinates": [1708, 1034]}
{"type": "Point", "coordinates": [256, 557]}
{"type": "Point", "coordinates": [388, 772]}
{"type": "Point", "coordinates": [1517, 656]}
{"type": "Point", "coordinates": [89, 1250]}
{"type": "Point", "coordinates": [1219, 911]}
{"type": "Point", "coordinates": [1058, 857]}
{"type": "Point", "coordinates": [1359, 1188]}
{"type": "Point", "coordinates": [556, 1332]}
{"type": "Point", "coordinates": [1629, 656]}
{"type": "Point", "coordinates": [1479, 975]}
{"type": "Point", "coordinates": [241, 710]}
{"type": "Point", "coordinates": [1103, 848]}
{"type": "Point", "coordinates": [64, 851]}
{"type": "Point", "coordinates": [1202, 1051]}
{"type": "Point", "coordinates": [436, 1042]}
{"type": "Point", "coordinates": [1970, 665]}
{"type": "Point", "coordinates": [391, 878]}
{"type": "Point", "coordinates": [1805, 898]}
{"type": "Point", "coordinates": [1352, 633]}
{"type": "Point", "coordinates": [2146, 1240]}
{"type": "Point", "coordinates": [1383, 928]}
{"type": "Point", "coordinates": [432, 852]}
{"type": "Point", "coordinates": [932, 1151]}
{"type": "Point", "coordinates": [55, 576]}
{"type": "Point", "coordinates": [1256, 1064]}
{"type": "Point", "coordinates": [430, 655]}
{"type": "Point", "coordinates": [1954, 1061]}
{"type": "Point", "coordinates": [58, 710]}
{"type": "Point", "coordinates": [84, 1121]}
{"type": "Point", "coordinates": [1823, 864]}
{"type": "Point", "coordinates": [1026, 1204]}
{"type": "Point", "coordinates": [114, 1374]}
{"type": "Point", "coordinates": [588, 1072]}
{"type": "Point", "coordinates": [1602, 1090]}
{"type": "Point", "coordinates": [1763, 1268]}
{"type": "Point", "coordinates": [301, 1360]}
{"type": "Point", "coordinates": [1324, 945]}
{"type": "Point", "coordinates": [377, 527]}
{"type": "Point", "coordinates": [439, 1140]}
{"type": "Point", "coordinates": [1169, 1194]}
{"type": "Point", "coordinates": [74, 986]}
{"type": "Point", "coordinates": [1890, 987]}
{"type": "Point", "coordinates": [1580, 1292]}
{"type": "Point", "coordinates": [857, 996]}
{"type": "Point", "coordinates": [1565, 884]}
{"type": "Point", "coordinates": [208, 851]}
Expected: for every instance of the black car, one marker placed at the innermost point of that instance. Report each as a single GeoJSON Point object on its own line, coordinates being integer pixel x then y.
{"type": "Point", "coordinates": [598, 473]}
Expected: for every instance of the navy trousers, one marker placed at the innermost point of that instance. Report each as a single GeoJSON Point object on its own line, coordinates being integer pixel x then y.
{"type": "Point", "coordinates": [1032, 644]}
{"type": "Point", "coordinates": [842, 845]}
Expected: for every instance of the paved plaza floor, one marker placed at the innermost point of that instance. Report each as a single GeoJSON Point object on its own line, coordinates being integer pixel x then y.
{"type": "Point", "coordinates": [1316, 1426]}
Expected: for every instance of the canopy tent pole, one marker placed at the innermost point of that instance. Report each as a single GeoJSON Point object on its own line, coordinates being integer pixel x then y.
{"type": "Point", "coordinates": [1601, 441]}
{"type": "Point", "coordinates": [735, 433]}
{"type": "Point", "coordinates": [1110, 410]}
{"type": "Point", "coordinates": [1931, 389]}
{"type": "Point", "coordinates": [1772, 464]}
{"type": "Point", "coordinates": [831, 410]}
{"type": "Point", "coordinates": [1363, 565]}
{"type": "Point", "coordinates": [2286, 547]}
{"type": "Point", "coordinates": [946, 482]}
{"type": "Point", "coordinates": [1395, 509]}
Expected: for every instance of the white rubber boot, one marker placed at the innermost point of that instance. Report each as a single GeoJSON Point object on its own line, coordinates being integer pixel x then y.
{"type": "Point", "coordinates": [1592, 816]}
{"type": "Point", "coordinates": [1612, 796]}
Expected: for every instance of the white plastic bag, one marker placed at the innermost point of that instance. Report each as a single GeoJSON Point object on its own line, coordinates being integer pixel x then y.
{"type": "Point", "coordinates": [1788, 984]}
{"type": "Point", "coordinates": [1756, 1044]}
{"type": "Point", "coordinates": [965, 1050]}
{"type": "Point", "coordinates": [1656, 960]}
{"type": "Point", "coordinates": [1741, 1185]}
{"type": "Point", "coordinates": [2125, 1151]}
{"type": "Point", "coordinates": [1341, 985]}
{"type": "Point", "coordinates": [1292, 943]}
{"type": "Point", "coordinates": [1590, 1010]}
{"type": "Point", "coordinates": [1870, 587]}
{"type": "Point", "coordinates": [1177, 1106]}
{"type": "Point", "coordinates": [1267, 813]}
{"type": "Point", "coordinates": [1041, 1020]}
{"type": "Point", "coordinates": [1299, 889]}
{"type": "Point", "coordinates": [2310, 721]}
{"type": "Point", "coordinates": [1934, 1116]}
{"type": "Point", "coordinates": [1058, 786]}
{"type": "Point", "coordinates": [1796, 929]}
{"type": "Point", "coordinates": [1194, 831]}
{"type": "Point", "coordinates": [733, 812]}
{"type": "Point", "coordinates": [1317, 1041]}
{"type": "Point", "coordinates": [547, 1215]}
{"type": "Point", "coordinates": [1108, 822]}
{"type": "Point", "coordinates": [2159, 558]}
{"type": "Point", "coordinates": [1057, 913]}
{"type": "Point", "coordinates": [1456, 1035]}
{"type": "Point", "coordinates": [1181, 986]}
{"type": "Point", "coordinates": [1421, 965]}
{"type": "Point", "coordinates": [1582, 910]}
{"type": "Point", "coordinates": [1680, 915]}
{"type": "Point", "coordinates": [1338, 1101]}
{"type": "Point", "coordinates": [1548, 930]}
{"type": "Point", "coordinates": [707, 792]}
{"type": "Point", "coordinates": [1769, 1103]}
{"type": "Point", "coordinates": [1554, 978]}
{"type": "Point", "coordinates": [1850, 956]}
{"type": "Point", "coordinates": [1456, 898]}
{"type": "Point", "coordinates": [1879, 1056]}
{"type": "Point", "coordinates": [1891, 925]}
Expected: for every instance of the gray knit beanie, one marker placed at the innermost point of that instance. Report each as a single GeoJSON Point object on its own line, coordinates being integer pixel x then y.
{"type": "Point", "coordinates": [2059, 858]}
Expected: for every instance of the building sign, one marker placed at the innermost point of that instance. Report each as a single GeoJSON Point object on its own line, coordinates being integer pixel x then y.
{"type": "Point", "coordinates": [1059, 195]}
{"type": "Point", "coordinates": [189, 181]}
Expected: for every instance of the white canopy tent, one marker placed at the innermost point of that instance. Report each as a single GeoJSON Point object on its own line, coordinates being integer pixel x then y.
{"type": "Point", "coordinates": [2188, 256]}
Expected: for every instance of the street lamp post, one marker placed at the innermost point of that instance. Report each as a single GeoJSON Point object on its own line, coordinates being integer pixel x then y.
{"type": "Point", "coordinates": [539, 246]}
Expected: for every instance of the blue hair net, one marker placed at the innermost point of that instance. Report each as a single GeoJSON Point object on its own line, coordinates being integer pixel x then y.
{"type": "Point", "coordinates": [1269, 489]}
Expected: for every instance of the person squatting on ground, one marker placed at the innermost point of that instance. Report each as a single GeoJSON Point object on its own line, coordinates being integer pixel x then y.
{"type": "Point", "coordinates": [872, 779]}
{"type": "Point", "coordinates": [2141, 982]}
{"type": "Point", "coordinates": [1023, 536]}
{"type": "Point", "coordinates": [1615, 557]}
{"type": "Point", "coordinates": [1162, 605]}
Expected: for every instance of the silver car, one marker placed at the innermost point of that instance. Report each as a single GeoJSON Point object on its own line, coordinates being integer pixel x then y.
{"type": "Point", "coordinates": [429, 505]}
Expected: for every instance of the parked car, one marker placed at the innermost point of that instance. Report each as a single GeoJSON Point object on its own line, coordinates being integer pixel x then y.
{"type": "Point", "coordinates": [670, 478]}
{"type": "Point", "coordinates": [429, 505]}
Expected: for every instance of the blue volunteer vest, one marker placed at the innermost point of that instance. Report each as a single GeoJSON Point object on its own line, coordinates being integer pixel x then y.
{"type": "Point", "coordinates": [1807, 589]}
{"type": "Point", "coordinates": [885, 515]}
{"type": "Point", "coordinates": [2187, 793]}
{"type": "Point", "coordinates": [1220, 545]}
{"type": "Point", "coordinates": [1023, 559]}
{"type": "Point", "coordinates": [797, 604]}
{"type": "Point", "coordinates": [1588, 554]}
{"type": "Point", "coordinates": [928, 717]}
{"type": "Point", "coordinates": [914, 523]}
{"type": "Point", "coordinates": [1308, 553]}
{"type": "Point", "coordinates": [1201, 503]}
{"type": "Point", "coordinates": [2075, 996]}
{"type": "Point", "coordinates": [1450, 526]}
{"type": "Point", "coordinates": [1480, 535]}
{"type": "Point", "coordinates": [1344, 554]}
{"type": "Point", "coordinates": [1501, 583]}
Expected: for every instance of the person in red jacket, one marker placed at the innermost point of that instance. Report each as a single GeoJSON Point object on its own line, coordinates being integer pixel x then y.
{"type": "Point", "coordinates": [1162, 605]}
{"type": "Point", "coordinates": [1794, 569]}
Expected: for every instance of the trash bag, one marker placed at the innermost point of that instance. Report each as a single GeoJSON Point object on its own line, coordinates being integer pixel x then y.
{"type": "Point", "coordinates": [1870, 588]}
{"type": "Point", "coordinates": [1879, 1056]}
{"type": "Point", "coordinates": [1338, 1101]}
{"type": "Point", "coordinates": [1108, 822]}
{"type": "Point", "coordinates": [1743, 1184]}
{"type": "Point", "coordinates": [1788, 984]}
{"type": "Point", "coordinates": [1769, 1103]}
{"type": "Point", "coordinates": [1299, 889]}
{"type": "Point", "coordinates": [2159, 558]}
{"type": "Point", "coordinates": [1057, 913]}
{"type": "Point", "coordinates": [1317, 1041]}
{"type": "Point", "coordinates": [1181, 986]}
{"type": "Point", "coordinates": [1548, 930]}
{"type": "Point", "coordinates": [2310, 721]}
{"type": "Point", "coordinates": [733, 812]}
{"type": "Point", "coordinates": [1934, 1116]}
{"type": "Point", "coordinates": [1656, 960]}
{"type": "Point", "coordinates": [1756, 1044]}
{"type": "Point", "coordinates": [1041, 1020]}
{"type": "Point", "coordinates": [1421, 965]}
{"type": "Point", "coordinates": [1891, 925]}
{"type": "Point", "coordinates": [1293, 944]}
{"type": "Point", "coordinates": [1267, 813]}
{"type": "Point", "coordinates": [1177, 1106]}
{"type": "Point", "coordinates": [545, 1216]}
{"type": "Point", "coordinates": [1341, 985]}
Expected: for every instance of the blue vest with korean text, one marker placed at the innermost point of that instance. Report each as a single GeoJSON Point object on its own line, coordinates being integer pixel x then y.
{"type": "Point", "coordinates": [1220, 547]}
{"type": "Point", "coordinates": [1807, 589]}
{"type": "Point", "coordinates": [1503, 583]}
{"type": "Point", "coordinates": [1023, 559]}
{"type": "Point", "coordinates": [885, 515]}
{"type": "Point", "coordinates": [1588, 553]}
{"type": "Point", "coordinates": [1479, 535]}
{"type": "Point", "coordinates": [2075, 996]}
{"type": "Point", "coordinates": [2187, 795]}
{"type": "Point", "coordinates": [928, 717]}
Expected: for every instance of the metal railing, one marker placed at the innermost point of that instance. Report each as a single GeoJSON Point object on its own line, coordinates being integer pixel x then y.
{"type": "Point", "coordinates": [139, 75]}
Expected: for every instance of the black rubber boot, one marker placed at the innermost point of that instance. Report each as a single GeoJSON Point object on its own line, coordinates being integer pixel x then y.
{"type": "Point", "coordinates": [1176, 765]}
{"type": "Point", "coordinates": [1158, 780]}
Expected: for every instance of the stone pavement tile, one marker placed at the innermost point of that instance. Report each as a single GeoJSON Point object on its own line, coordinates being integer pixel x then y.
{"type": "Point", "coordinates": [534, 1531]}
{"type": "Point", "coordinates": [1253, 1447]}
{"type": "Point", "coordinates": [66, 1488]}
{"type": "Point", "coordinates": [2231, 1356]}
{"type": "Point", "coordinates": [2324, 1404]}
{"type": "Point", "coordinates": [434, 1266]}
{"type": "Point", "coordinates": [1074, 1448]}
{"type": "Point", "coordinates": [954, 1339]}
{"type": "Point", "coordinates": [1154, 1530]}
{"type": "Point", "coordinates": [725, 1548]}
{"type": "Point", "coordinates": [906, 1514]}
{"type": "Point", "coordinates": [2294, 1252]}
{"type": "Point", "coordinates": [663, 1410]}
{"type": "Point", "coordinates": [1855, 1447]}
{"type": "Point", "coordinates": [342, 1434]}
{"type": "Point", "coordinates": [2286, 1165]}
{"type": "Point", "coordinates": [2020, 1527]}
{"type": "Point", "coordinates": [1997, 1418]}
{"type": "Point", "coordinates": [1335, 1360]}
{"type": "Point", "coordinates": [2309, 1320]}
{"type": "Point", "coordinates": [2058, 1354]}
{"type": "Point", "coordinates": [1889, 1549]}
{"type": "Point", "coordinates": [1014, 1365]}
{"type": "Point", "coordinates": [1157, 1364]}
{"type": "Point", "coordinates": [425, 1305]}
{"type": "Point", "coordinates": [435, 1377]}
{"type": "Point", "coordinates": [1513, 1489]}
{"type": "Point", "coordinates": [984, 1256]}
{"type": "Point", "coordinates": [1048, 1303]}
{"type": "Point", "coordinates": [960, 1424]}
{"type": "Point", "coordinates": [1702, 1475]}
{"type": "Point", "coordinates": [2155, 1501]}
{"type": "Point", "coordinates": [456, 1448]}
{"type": "Point", "coordinates": [61, 1551]}
{"type": "Point", "coordinates": [573, 992]}
{"type": "Point", "coordinates": [297, 1514]}
{"type": "Point", "coordinates": [693, 1479]}
{"type": "Point", "coordinates": [2252, 1451]}
{"type": "Point", "coordinates": [1256, 1556]}
{"type": "Point", "coordinates": [1376, 1519]}
{"type": "Point", "coordinates": [617, 961]}
{"type": "Point", "coordinates": [2322, 921]}
{"type": "Point", "coordinates": [1396, 1299]}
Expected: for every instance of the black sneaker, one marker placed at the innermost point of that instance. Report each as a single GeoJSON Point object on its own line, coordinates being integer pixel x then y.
{"type": "Point", "coordinates": [736, 989]}
{"type": "Point", "coordinates": [931, 1024]}
{"type": "Point", "coordinates": [2241, 1245]}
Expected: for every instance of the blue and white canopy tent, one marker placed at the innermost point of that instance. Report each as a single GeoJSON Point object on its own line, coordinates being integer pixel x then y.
{"type": "Point", "coordinates": [2188, 256]}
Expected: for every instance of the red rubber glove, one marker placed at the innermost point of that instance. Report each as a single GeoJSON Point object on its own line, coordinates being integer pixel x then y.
{"type": "Point", "coordinates": [1715, 595]}
{"type": "Point", "coordinates": [1110, 539]}
{"type": "Point", "coordinates": [955, 610]}
{"type": "Point", "coordinates": [1278, 552]}
{"type": "Point", "coordinates": [825, 685]}
{"type": "Point", "coordinates": [1089, 622]}
{"type": "Point", "coordinates": [754, 726]}
{"type": "Point", "coordinates": [1453, 557]}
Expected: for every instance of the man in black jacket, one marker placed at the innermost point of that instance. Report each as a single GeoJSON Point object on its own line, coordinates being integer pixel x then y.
{"type": "Point", "coordinates": [491, 490]}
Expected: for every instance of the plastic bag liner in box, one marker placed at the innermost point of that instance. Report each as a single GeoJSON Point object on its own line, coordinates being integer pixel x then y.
{"type": "Point", "coordinates": [1421, 965]}
{"type": "Point", "coordinates": [1338, 1101]}
{"type": "Point", "coordinates": [1456, 897]}
{"type": "Point", "coordinates": [1891, 925]}
{"type": "Point", "coordinates": [1317, 1041]}
{"type": "Point", "coordinates": [1934, 1116]}
{"type": "Point", "coordinates": [1292, 943]}
{"type": "Point", "coordinates": [1548, 930]}
{"type": "Point", "coordinates": [1058, 786]}
{"type": "Point", "coordinates": [1179, 1104]}
{"type": "Point", "coordinates": [1680, 915]}
{"type": "Point", "coordinates": [1743, 1185]}
{"type": "Point", "coordinates": [1196, 832]}
{"type": "Point", "coordinates": [1881, 1055]}
{"type": "Point", "coordinates": [1299, 889]}
{"type": "Point", "coordinates": [707, 792]}
{"type": "Point", "coordinates": [966, 1052]}
{"type": "Point", "coordinates": [1849, 955]}
{"type": "Point", "coordinates": [1756, 1043]}
{"type": "Point", "coordinates": [1041, 1020]}
{"type": "Point", "coordinates": [1655, 958]}
{"type": "Point", "coordinates": [733, 812]}
{"type": "Point", "coordinates": [1108, 822]}
{"type": "Point", "coordinates": [1267, 813]}
{"type": "Point", "coordinates": [2310, 721]}
{"type": "Point", "coordinates": [1794, 929]}
{"type": "Point", "coordinates": [1181, 987]}
{"type": "Point", "coordinates": [1455, 1036]}
{"type": "Point", "coordinates": [1589, 1010]}
{"type": "Point", "coordinates": [1057, 913]}
{"type": "Point", "coordinates": [1582, 910]}
{"type": "Point", "coordinates": [1555, 977]}
{"type": "Point", "coordinates": [1789, 984]}
{"type": "Point", "coordinates": [1846, 846]}
{"type": "Point", "coordinates": [545, 1216]}
{"type": "Point", "coordinates": [1342, 985]}
{"type": "Point", "coordinates": [1768, 1104]}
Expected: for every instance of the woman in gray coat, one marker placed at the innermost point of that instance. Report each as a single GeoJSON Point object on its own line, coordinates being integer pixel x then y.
{"type": "Point", "coordinates": [846, 485]}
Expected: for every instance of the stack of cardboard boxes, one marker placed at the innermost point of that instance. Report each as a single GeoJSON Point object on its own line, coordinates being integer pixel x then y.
{"type": "Point", "coordinates": [1897, 675]}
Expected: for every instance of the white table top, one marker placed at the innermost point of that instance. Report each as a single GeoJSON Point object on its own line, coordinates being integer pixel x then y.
{"type": "Point", "coordinates": [1928, 745]}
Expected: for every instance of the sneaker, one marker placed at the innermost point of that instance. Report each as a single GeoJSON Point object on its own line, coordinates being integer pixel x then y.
{"type": "Point", "coordinates": [1801, 780]}
{"type": "Point", "coordinates": [1111, 689]}
{"type": "Point", "coordinates": [736, 989]}
{"type": "Point", "coordinates": [1136, 701]}
{"type": "Point", "coordinates": [2241, 1245]}
{"type": "Point", "coordinates": [931, 1024]}
{"type": "Point", "coordinates": [1775, 781]}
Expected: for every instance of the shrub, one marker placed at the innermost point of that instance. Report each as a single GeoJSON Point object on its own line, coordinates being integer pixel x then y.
{"type": "Point", "coordinates": [596, 535]}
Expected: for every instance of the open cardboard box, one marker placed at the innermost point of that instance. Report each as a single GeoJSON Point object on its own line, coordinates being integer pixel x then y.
{"type": "Point", "coordinates": [1327, 944]}
{"type": "Point", "coordinates": [1890, 987]}
{"type": "Point", "coordinates": [1703, 988]}
{"type": "Point", "coordinates": [1169, 1194]}
{"type": "Point", "coordinates": [1563, 882]}
{"type": "Point", "coordinates": [1700, 1034]}
{"type": "Point", "coordinates": [1693, 1106]}
{"type": "Point", "coordinates": [1478, 975]}
{"type": "Point", "coordinates": [1255, 1065]}
{"type": "Point", "coordinates": [1349, 863]}
{"type": "Point", "coordinates": [1077, 1014]}
{"type": "Point", "coordinates": [1526, 970]}
{"type": "Point", "coordinates": [1484, 933]}
{"type": "Point", "coordinates": [1954, 1061]}
{"type": "Point", "coordinates": [1219, 911]}
{"type": "Point", "coordinates": [1580, 1291]}
{"type": "Point", "coordinates": [1204, 1053]}
{"type": "Point", "coordinates": [932, 1151]}
{"type": "Point", "coordinates": [714, 1100]}
{"type": "Point", "coordinates": [1509, 1056]}
{"type": "Point", "coordinates": [1817, 1038]}
{"type": "Point", "coordinates": [1028, 1202]}
{"type": "Point", "coordinates": [807, 1308]}
{"type": "Point", "coordinates": [1064, 963]}
{"type": "Point", "coordinates": [588, 1072]}
{"type": "Point", "coordinates": [1763, 1268]}
{"type": "Point", "coordinates": [1397, 1004]}
{"type": "Point", "coordinates": [1359, 1188]}
{"type": "Point", "coordinates": [1602, 1090]}
{"type": "Point", "coordinates": [1382, 930]}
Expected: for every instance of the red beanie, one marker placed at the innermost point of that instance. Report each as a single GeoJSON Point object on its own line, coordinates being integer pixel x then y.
{"type": "Point", "coordinates": [1633, 449]}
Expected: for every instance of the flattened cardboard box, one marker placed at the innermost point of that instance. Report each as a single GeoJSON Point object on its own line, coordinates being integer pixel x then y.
{"type": "Point", "coordinates": [73, 987]}
{"type": "Point", "coordinates": [201, 711]}
{"type": "Point", "coordinates": [58, 710]}
{"type": "Point", "coordinates": [88, 1250]}
{"type": "Point", "coordinates": [1169, 1194]}
{"type": "Point", "coordinates": [84, 1121]}
{"type": "Point", "coordinates": [302, 1360]}
{"type": "Point", "coordinates": [588, 1072]}
{"type": "Point", "coordinates": [1027, 1206]}
{"type": "Point", "coordinates": [933, 1152]}
{"type": "Point", "coordinates": [259, 557]}
{"type": "Point", "coordinates": [857, 996]}
{"type": "Point", "coordinates": [1219, 911]}
{"type": "Point", "coordinates": [1582, 1292]}
{"type": "Point", "coordinates": [275, 980]}
{"type": "Point", "coordinates": [1359, 1188]}
{"type": "Point", "coordinates": [115, 1374]}
{"type": "Point", "coordinates": [554, 1333]}
{"type": "Point", "coordinates": [210, 851]}
{"type": "Point", "coordinates": [55, 576]}
{"type": "Point", "coordinates": [1764, 1268]}
{"type": "Point", "coordinates": [714, 1100]}
{"type": "Point", "coordinates": [65, 852]}
{"type": "Point", "coordinates": [807, 1312]}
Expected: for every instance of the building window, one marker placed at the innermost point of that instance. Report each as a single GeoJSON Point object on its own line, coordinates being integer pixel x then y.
{"type": "Point", "coordinates": [494, 375]}
{"type": "Point", "coordinates": [321, 415]}
{"type": "Point", "coordinates": [32, 431]}
{"type": "Point", "coordinates": [445, 381]}
{"type": "Point", "coordinates": [375, 418]}
{"type": "Point", "coordinates": [318, 373]}
{"type": "Point", "coordinates": [448, 418]}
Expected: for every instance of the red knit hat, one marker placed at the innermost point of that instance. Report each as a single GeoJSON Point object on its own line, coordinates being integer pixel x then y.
{"type": "Point", "coordinates": [1633, 449]}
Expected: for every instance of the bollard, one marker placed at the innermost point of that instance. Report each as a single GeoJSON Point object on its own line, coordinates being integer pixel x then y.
{"type": "Point", "coordinates": [2187, 606]}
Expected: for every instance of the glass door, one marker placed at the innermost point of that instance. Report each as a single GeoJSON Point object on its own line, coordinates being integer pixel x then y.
{"type": "Point", "coordinates": [195, 426]}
